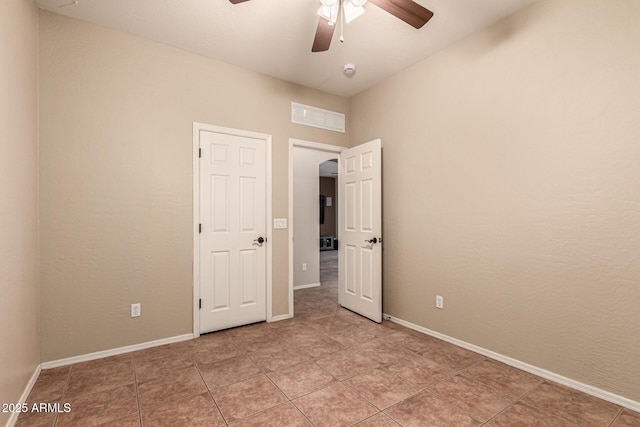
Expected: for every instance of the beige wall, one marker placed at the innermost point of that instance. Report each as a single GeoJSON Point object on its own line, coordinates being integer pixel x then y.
{"type": "Point", "coordinates": [19, 297]}
{"type": "Point", "coordinates": [116, 116]}
{"type": "Point", "coordinates": [524, 141]}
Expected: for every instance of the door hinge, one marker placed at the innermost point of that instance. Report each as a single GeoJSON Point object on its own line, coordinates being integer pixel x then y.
{"type": "Point", "coordinates": [199, 228]}
{"type": "Point", "coordinates": [199, 152]}
{"type": "Point", "coordinates": [200, 303]}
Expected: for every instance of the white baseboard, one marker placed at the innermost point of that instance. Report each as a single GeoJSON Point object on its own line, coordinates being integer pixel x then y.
{"type": "Point", "coordinates": [280, 317]}
{"type": "Point", "coordinates": [13, 419]}
{"type": "Point", "coordinates": [310, 285]}
{"type": "Point", "coordinates": [588, 389]}
{"type": "Point", "coordinates": [114, 351]}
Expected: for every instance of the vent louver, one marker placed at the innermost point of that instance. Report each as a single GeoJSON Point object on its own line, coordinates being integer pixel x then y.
{"type": "Point", "coordinates": [317, 117]}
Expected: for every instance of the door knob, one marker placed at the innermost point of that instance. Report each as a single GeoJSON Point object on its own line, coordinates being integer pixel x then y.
{"type": "Point", "coordinates": [260, 240]}
{"type": "Point", "coordinates": [372, 241]}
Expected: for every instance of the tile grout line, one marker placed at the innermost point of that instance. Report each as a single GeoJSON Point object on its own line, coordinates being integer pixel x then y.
{"type": "Point", "coordinates": [618, 415]}
{"type": "Point", "coordinates": [289, 400]}
{"type": "Point", "coordinates": [362, 397]}
{"type": "Point", "coordinates": [535, 406]}
{"type": "Point", "coordinates": [64, 392]}
{"type": "Point", "coordinates": [208, 389]}
{"type": "Point", "coordinates": [500, 412]}
{"type": "Point", "coordinates": [135, 378]}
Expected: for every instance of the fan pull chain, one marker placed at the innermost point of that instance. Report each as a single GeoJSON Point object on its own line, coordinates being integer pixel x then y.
{"type": "Point", "coordinates": [342, 21]}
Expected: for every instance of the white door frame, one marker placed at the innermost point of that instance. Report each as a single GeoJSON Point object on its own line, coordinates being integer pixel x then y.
{"type": "Point", "coordinates": [337, 149]}
{"type": "Point", "coordinates": [197, 127]}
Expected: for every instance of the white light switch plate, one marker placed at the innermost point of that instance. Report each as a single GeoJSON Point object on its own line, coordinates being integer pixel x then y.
{"type": "Point", "coordinates": [279, 223]}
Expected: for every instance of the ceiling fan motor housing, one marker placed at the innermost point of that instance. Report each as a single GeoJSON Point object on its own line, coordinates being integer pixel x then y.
{"type": "Point", "coordinates": [406, 10]}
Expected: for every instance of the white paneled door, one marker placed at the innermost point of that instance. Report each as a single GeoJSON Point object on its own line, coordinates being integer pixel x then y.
{"type": "Point", "coordinates": [232, 237]}
{"type": "Point", "coordinates": [360, 222]}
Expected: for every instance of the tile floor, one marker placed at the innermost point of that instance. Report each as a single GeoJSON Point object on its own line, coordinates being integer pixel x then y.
{"type": "Point", "coordinates": [325, 367]}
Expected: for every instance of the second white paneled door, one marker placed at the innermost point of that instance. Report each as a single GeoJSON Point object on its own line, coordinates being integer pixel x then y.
{"type": "Point", "coordinates": [232, 238]}
{"type": "Point", "coordinates": [360, 222]}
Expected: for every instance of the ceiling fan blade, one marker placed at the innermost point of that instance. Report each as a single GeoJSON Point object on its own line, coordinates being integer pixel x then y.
{"type": "Point", "coordinates": [406, 10]}
{"type": "Point", "coordinates": [237, 1]}
{"type": "Point", "coordinates": [324, 34]}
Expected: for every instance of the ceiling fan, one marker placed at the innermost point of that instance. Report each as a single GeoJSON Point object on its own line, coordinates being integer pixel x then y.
{"type": "Point", "coordinates": [405, 10]}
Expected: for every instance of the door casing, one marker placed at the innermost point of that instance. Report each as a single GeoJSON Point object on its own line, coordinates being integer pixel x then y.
{"type": "Point", "coordinates": [197, 127]}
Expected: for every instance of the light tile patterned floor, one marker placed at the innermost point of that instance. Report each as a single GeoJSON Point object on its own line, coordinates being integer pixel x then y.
{"type": "Point", "coordinates": [325, 367]}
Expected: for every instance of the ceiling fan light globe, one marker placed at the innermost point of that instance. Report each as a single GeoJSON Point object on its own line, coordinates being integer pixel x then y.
{"type": "Point", "coordinates": [358, 3]}
{"type": "Point", "coordinates": [329, 3]}
{"type": "Point", "coordinates": [329, 13]}
{"type": "Point", "coordinates": [351, 11]}
{"type": "Point", "coordinates": [325, 12]}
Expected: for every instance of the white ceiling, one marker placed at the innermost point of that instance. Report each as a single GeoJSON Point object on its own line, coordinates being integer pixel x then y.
{"type": "Point", "coordinates": [274, 37]}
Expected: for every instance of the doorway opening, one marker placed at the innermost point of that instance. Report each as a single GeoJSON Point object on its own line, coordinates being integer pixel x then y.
{"type": "Point", "coordinates": [313, 254]}
{"type": "Point", "coordinates": [322, 299]}
{"type": "Point", "coordinates": [359, 220]}
{"type": "Point", "coordinates": [328, 213]}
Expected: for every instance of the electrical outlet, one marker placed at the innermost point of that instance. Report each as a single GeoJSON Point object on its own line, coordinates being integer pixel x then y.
{"type": "Point", "coordinates": [135, 310]}
{"type": "Point", "coordinates": [304, 266]}
{"type": "Point", "coordinates": [439, 302]}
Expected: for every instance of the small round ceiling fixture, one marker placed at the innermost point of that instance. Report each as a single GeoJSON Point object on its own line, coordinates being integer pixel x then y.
{"type": "Point", "coordinates": [349, 70]}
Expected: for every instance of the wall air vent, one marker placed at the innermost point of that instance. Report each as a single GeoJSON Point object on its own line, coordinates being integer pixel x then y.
{"type": "Point", "coordinates": [317, 117]}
